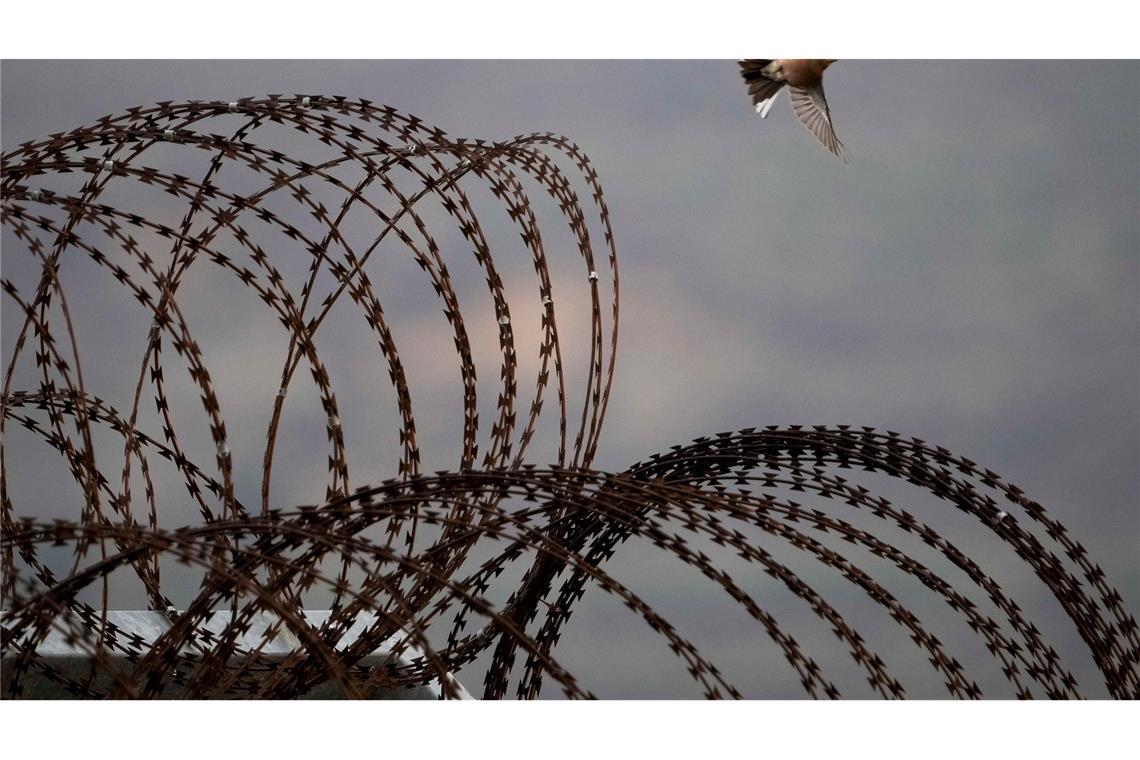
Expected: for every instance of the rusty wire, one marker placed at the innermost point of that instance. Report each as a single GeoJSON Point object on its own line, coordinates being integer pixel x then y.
{"type": "Point", "coordinates": [416, 557]}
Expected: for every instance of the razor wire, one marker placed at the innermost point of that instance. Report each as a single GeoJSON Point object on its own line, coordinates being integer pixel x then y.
{"type": "Point", "coordinates": [416, 562]}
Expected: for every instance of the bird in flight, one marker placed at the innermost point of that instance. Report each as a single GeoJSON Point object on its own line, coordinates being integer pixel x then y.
{"type": "Point", "coordinates": [804, 78]}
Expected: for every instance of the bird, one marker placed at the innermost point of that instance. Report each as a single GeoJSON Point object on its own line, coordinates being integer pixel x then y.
{"type": "Point", "coordinates": [804, 79]}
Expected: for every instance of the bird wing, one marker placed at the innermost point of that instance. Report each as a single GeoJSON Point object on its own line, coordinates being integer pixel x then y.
{"type": "Point", "coordinates": [811, 109]}
{"type": "Point", "coordinates": [762, 86]}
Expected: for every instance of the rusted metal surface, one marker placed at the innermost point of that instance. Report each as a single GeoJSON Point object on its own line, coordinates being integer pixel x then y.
{"type": "Point", "coordinates": [419, 555]}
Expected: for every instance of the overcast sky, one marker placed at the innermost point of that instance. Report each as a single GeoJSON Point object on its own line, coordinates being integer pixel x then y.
{"type": "Point", "coordinates": [970, 277]}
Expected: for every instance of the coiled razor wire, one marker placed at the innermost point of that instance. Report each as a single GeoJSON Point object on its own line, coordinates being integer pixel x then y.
{"type": "Point", "coordinates": [415, 559]}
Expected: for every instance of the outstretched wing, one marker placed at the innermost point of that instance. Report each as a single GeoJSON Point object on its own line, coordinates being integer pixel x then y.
{"type": "Point", "coordinates": [764, 82]}
{"type": "Point", "coordinates": [811, 109]}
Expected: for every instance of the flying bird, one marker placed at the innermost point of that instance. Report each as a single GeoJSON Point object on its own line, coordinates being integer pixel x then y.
{"type": "Point", "coordinates": [804, 78]}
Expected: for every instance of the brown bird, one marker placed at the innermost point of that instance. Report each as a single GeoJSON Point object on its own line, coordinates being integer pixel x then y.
{"type": "Point", "coordinates": [804, 78]}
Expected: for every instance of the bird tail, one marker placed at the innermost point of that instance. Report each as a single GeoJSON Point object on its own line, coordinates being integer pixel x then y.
{"type": "Point", "coordinates": [753, 68]}
{"type": "Point", "coordinates": [761, 86]}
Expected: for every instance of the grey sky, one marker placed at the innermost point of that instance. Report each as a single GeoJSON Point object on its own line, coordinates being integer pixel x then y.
{"type": "Point", "coordinates": [970, 278]}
